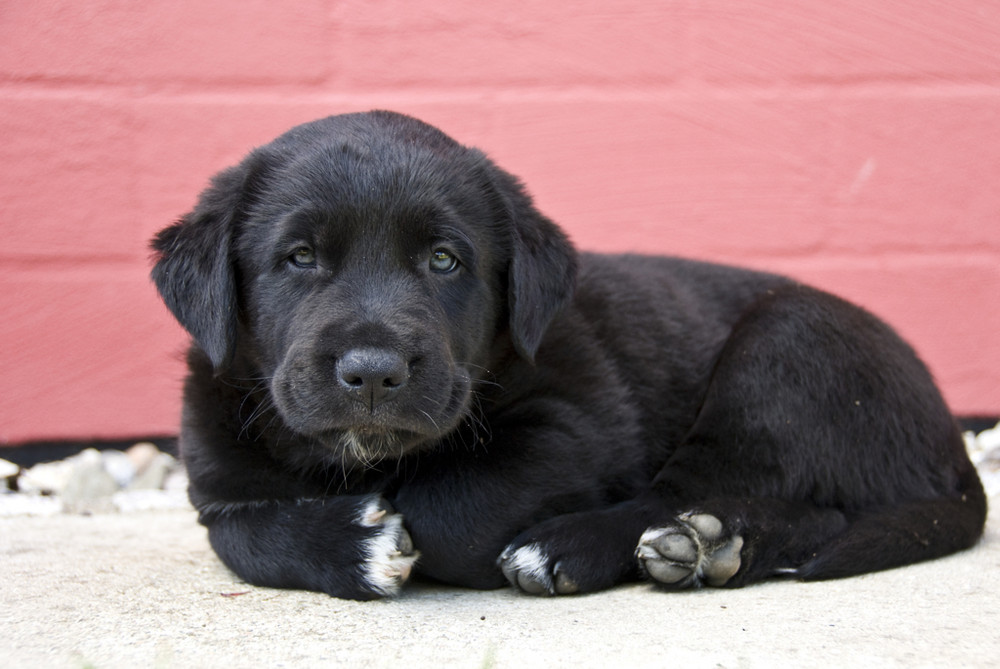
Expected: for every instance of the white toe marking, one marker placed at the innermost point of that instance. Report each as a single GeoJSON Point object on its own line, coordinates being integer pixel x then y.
{"type": "Point", "coordinates": [373, 512]}
{"type": "Point", "coordinates": [531, 561]}
{"type": "Point", "coordinates": [387, 568]}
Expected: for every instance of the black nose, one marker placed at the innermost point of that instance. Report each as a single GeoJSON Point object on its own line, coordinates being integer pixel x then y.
{"type": "Point", "coordinates": [372, 375]}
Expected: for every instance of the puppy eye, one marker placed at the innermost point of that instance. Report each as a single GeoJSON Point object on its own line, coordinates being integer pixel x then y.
{"type": "Point", "coordinates": [443, 262]}
{"type": "Point", "coordinates": [304, 257]}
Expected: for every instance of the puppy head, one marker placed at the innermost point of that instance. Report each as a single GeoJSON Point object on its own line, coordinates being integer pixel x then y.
{"type": "Point", "coordinates": [365, 265]}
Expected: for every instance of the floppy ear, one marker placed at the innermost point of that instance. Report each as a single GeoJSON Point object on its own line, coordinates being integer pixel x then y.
{"type": "Point", "coordinates": [542, 272]}
{"type": "Point", "coordinates": [194, 268]}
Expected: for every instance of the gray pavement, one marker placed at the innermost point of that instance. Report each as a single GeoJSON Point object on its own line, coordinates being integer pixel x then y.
{"type": "Point", "coordinates": [144, 590]}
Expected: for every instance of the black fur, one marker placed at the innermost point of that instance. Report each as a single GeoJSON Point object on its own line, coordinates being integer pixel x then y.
{"type": "Point", "coordinates": [383, 322]}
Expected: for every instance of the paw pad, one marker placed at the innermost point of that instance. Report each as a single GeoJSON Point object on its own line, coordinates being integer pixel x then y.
{"type": "Point", "coordinates": [690, 552]}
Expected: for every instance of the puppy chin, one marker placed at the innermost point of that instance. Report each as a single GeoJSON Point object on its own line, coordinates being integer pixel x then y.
{"type": "Point", "coordinates": [364, 446]}
{"type": "Point", "coordinates": [369, 444]}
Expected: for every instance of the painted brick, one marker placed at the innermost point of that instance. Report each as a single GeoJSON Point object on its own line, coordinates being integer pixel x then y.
{"type": "Point", "coordinates": [66, 186]}
{"type": "Point", "coordinates": [117, 40]}
{"type": "Point", "coordinates": [844, 41]}
{"type": "Point", "coordinates": [404, 43]}
{"type": "Point", "coordinates": [86, 352]}
{"type": "Point", "coordinates": [706, 177]}
{"type": "Point", "coordinates": [916, 172]}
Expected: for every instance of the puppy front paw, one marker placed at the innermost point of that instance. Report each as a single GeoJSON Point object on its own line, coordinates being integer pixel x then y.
{"type": "Point", "coordinates": [531, 570]}
{"type": "Point", "coordinates": [389, 550]}
{"type": "Point", "coordinates": [570, 554]}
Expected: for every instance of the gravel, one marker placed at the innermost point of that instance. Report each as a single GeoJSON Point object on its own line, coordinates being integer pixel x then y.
{"type": "Point", "coordinates": [140, 478]}
{"type": "Point", "coordinates": [984, 451]}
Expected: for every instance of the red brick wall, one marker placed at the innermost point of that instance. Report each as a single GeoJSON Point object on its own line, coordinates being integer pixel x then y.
{"type": "Point", "coordinates": [854, 144]}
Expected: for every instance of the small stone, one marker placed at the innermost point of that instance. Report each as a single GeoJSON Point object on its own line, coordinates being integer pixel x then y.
{"type": "Point", "coordinates": [989, 440]}
{"type": "Point", "coordinates": [969, 437]}
{"type": "Point", "coordinates": [88, 480]}
{"type": "Point", "coordinates": [88, 457]}
{"type": "Point", "coordinates": [45, 478]}
{"type": "Point", "coordinates": [141, 454]}
{"type": "Point", "coordinates": [154, 474]}
{"type": "Point", "coordinates": [8, 472]}
{"type": "Point", "coordinates": [119, 466]}
{"type": "Point", "coordinates": [8, 469]}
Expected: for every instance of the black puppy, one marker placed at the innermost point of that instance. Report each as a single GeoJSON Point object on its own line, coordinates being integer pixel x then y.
{"type": "Point", "coordinates": [387, 333]}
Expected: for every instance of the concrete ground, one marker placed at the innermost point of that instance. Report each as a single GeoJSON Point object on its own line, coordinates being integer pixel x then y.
{"type": "Point", "coordinates": [145, 590]}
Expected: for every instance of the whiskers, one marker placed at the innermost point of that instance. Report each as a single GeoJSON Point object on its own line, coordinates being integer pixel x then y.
{"type": "Point", "coordinates": [488, 378]}
{"type": "Point", "coordinates": [475, 419]}
{"type": "Point", "coordinates": [430, 418]}
{"type": "Point", "coordinates": [478, 433]}
{"type": "Point", "coordinates": [260, 403]}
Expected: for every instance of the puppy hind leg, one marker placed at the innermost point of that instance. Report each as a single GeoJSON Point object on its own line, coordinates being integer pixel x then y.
{"type": "Point", "coordinates": [899, 535]}
{"type": "Point", "coordinates": [815, 407]}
